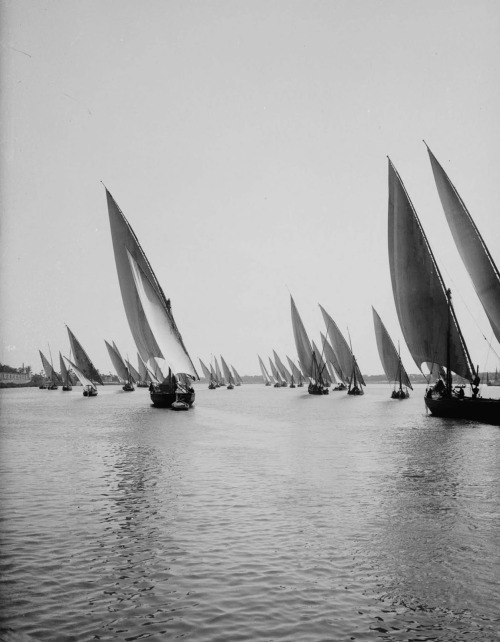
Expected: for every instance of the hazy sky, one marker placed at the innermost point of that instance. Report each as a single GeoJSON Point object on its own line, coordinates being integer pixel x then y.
{"type": "Point", "coordinates": [246, 143]}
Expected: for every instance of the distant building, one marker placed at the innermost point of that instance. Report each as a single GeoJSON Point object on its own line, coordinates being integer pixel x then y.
{"type": "Point", "coordinates": [15, 377]}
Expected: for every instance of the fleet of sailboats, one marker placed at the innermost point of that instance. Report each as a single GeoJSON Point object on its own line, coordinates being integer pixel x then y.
{"type": "Point", "coordinates": [423, 304]}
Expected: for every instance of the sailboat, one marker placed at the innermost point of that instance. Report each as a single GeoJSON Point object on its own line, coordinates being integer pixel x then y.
{"type": "Point", "coordinates": [89, 389]}
{"type": "Point", "coordinates": [149, 314]}
{"type": "Point", "coordinates": [134, 374]}
{"type": "Point", "coordinates": [334, 369]}
{"type": "Point", "coordinates": [237, 379]}
{"type": "Point", "coordinates": [218, 373]}
{"type": "Point", "coordinates": [121, 369]}
{"type": "Point", "coordinates": [285, 375]}
{"type": "Point", "coordinates": [345, 356]}
{"type": "Point", "coordinates": [208, 375]}
{"type": "Point", "coordinates": [278, 379]}
{"type": "Point", "coordinates": [426, 314]}
{"type": "Point", "coordinates": [66, 379]}
{"type": "Point", "coordinates": [227, 374]}
{"type": "Point", "coordinates": [307, 356]}
{"type": "Point", "coordinates": [265, 374]}
{"type": "Point", "coordinates": [52, 379]}
{"type": "Point", "coordinates": [297, 375]}
{"type": "Point", "coordinates": [391, 359]}
{"type": "Point", "coordinates": [84, 365]}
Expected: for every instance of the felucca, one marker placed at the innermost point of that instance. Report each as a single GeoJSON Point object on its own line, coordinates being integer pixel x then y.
{"type": "Point", "coordinates": [149, 314]}
{"type": "Point", "coordinates": [309, 361]}
{"type": "Point", "coordinates": [391, 359]}
{"type": "Point", "coordinates": [345, 356]}
{"type": "Point", "coordinates": [425, 310]}
{"type": "Point", "coordinates": [84, 366]}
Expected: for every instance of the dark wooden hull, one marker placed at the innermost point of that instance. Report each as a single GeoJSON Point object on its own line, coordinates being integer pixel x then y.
{"type": "Point", "coordinates": [356, 391]}
{"type": "Point", "coordinates": [485, 410]}
{"type": "Point", "coordinates": [67, 388]}
{"type": "Point", "coordinates": [165, 398]}
{"type": "Point", "coordinates": [128, 387]}
{"type": "Point", "coordinates": [314, 389]}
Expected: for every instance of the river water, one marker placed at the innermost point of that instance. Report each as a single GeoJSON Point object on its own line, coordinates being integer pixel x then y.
{"type": "Point", "coordinates": [261, 514]}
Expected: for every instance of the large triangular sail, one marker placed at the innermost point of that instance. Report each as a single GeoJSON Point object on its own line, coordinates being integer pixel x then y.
{"type": "Point", "coordinates": [205, 370]}
{"type": "Point", "coordinates": [331, 358]}
{"type": "Point", "coordinates": [389, 356]}
{"type": "Point", "coordinates": [148, 310]}
{"type": "Point", "coordinates": [82, 360]}
{"type": "Point", "coordinates": [345, 357]}
{"type": "Point", "coordinates": [265, 374]}
{"type": "Point", "coordinates": [50, 373]}
{"type": "Point", "coordinates": [302, 342]}
{"type": "Point", "coordinates": [66, 379]}
{"type": "Point", "coordinates": [134, 374]}
{"type": "Point", "coordinates": [227, 373]}
{"type": "Point", "coordinates": [81, 376]}
{"type": "Point", "coordinates": [471, 246]}
{"type": "Point", "coordinates": [285, 374]}
{"type": "Point", "coordinates": [297, 374]}
{"type": "Point", "coordinates": [220, 378]}
{"type": "Point", "coordinates": [118, 363]}
{"type": "Point", "coordinates": [278, 378]}
{"type": "Point", "coordinates": [238, 380]}
{"type": "Point", "coordinates": [425, 314]}
{"type": "Point", "coordinates": [322, 370]}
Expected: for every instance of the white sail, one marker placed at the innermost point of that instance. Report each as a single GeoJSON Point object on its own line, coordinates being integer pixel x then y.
{"type": "Point", "coordinates": [322, 369]}
{"type": "Point", "coordinates": [331, 358]}
{"type": "Point", "coordinates": [118, 363]}
{"type": "Point", "coordinates": [81, 377]}
{"type": "Point", "coordinates": [237, 377]}
{"type": "Point", "coordinates": [285, 374]}
{"type": "Point", "coordinates": [297, 374]}
{"type": "Point", "coordinates": [171, 349]}
{"type": "Point", "coordinates": [227, 373]}
{"type": "Point", "coordinates": [50, 373]}
{"type": "Point", "coordinates": [139, 287]}
{"type": "Point", "coordinates": [265, 374]}
{"type": "Point", "coordinates": [276, 374]}
{"type": "Point", "coordinates": [206, 372]}
{"type": "Point", "coordinates": [302, 343]}
{"type": "Point", "coordinates": [220, 378]}
{"type": "Point", "coordinates": [134, 374]}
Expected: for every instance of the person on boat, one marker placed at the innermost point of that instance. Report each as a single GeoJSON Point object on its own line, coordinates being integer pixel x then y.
{"type": "Point", "coordinates": [460, 392]}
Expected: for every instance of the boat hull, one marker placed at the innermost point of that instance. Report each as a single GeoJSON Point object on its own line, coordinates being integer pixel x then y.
{"type": "Point", "coordinates": [485, 410]}
{"type": "Point", "coordinates": [165, 398]}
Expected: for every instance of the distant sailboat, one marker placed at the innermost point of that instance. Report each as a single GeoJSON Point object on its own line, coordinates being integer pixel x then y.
{"type": "Point", "coordinates": [391, 359]}
{"type": "Point", "coordinates": [426, 313]}
{"type": "Point", "coordinates": [208, 376]}
{"type": "Point", "coordinates": [332, 361]}
{"type": "Point", "coordinates": [83, 363]}
{"type": "Point", "coordinates": [66, 379]}
{"type": "Point", "coordinates": [307, 358]}
{"type": "Point", "coordinates": [237, 379]}
{"type": "Point", "coordinates": [298, 377]}
{"type": "Point", "coordinates": [285, 375]}
{"type": "Point", "coordinates": [149, 314]}
{"type": "Point", "coordinates": [345, 356]}
{"type": "Point", "coordinates": [52, 379]}
{"type": "Point", "coordinates": [121, 369]}
{"type": "Point", "coordinates": [265, 374]}
{"type": "Point", "coordinates": [89, 389]}
{"type": "Point", "coordinates": [278, 379]}
{"type": "Point", "coordinates": [218, 374]}
{"type": "Point", "coordinates": [227, 374]}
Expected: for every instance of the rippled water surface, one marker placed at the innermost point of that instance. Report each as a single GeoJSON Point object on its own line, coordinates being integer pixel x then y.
{"type": "Point", "coordinates": [261, 514]}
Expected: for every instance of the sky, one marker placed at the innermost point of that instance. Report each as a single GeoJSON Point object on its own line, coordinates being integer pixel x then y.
{"type": "Point", "coordinates": [247, 144]}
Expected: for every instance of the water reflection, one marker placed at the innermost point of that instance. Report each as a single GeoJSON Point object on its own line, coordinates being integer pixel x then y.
{"type": "Point", "coordinates": [436, 497]}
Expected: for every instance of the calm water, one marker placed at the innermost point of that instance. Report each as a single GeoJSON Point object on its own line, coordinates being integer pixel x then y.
{"type": "Point", "coordinates": [262, 514]}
